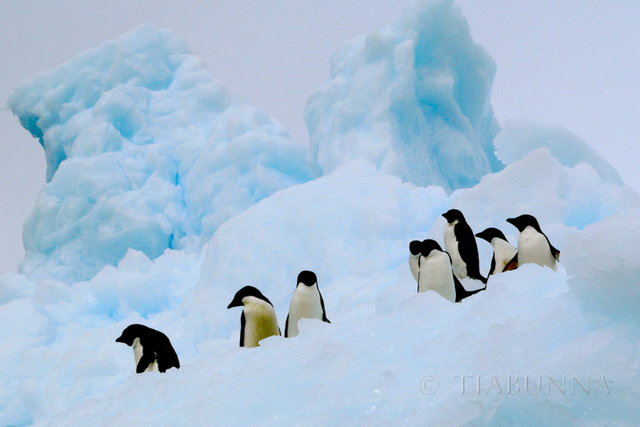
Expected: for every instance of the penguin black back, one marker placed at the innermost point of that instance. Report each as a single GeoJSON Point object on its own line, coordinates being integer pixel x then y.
{"type": "Point", "coordinates": [156, 347]}
{"type": "Point", "coordinates": [466, 247]}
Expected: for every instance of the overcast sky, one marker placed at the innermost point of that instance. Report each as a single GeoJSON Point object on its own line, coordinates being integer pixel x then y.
{"type": "Point", "coordinates": [574, 63]}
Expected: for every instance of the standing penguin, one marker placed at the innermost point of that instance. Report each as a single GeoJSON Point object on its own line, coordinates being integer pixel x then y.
{"type": "Point", "coordinates": [435, 272]}
{"type": "Point", "coordinates": [151, 349]}
{"type": "Point", "coordinates": [503, 251]}
{"type": "Point", "coordinates": [258, 320]}
{"type": "Point", "coordinates": [306, 302]}
{"type": "Point", "coordinates": [460, 242]}
{"type": "Point", "coordinates": [533, 245]}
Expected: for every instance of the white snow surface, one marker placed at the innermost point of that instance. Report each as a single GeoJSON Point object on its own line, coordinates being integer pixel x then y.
{"type": "Point", "coordinates": [143, 145]}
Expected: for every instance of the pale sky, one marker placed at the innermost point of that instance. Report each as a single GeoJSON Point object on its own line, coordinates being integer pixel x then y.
{"type": "Point", "coordinates": [573, 63]}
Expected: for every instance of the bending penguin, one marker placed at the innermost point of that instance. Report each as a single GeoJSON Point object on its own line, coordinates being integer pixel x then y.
{"type": "Point", "coordinates": [435, 272]}
{"type": "Point", "coordinates": [306, 302]}
{"type": "Point", "coordinates": [503, 251]}
{"type": "Point", "coordinates": [151, 349]}
{"type": "Point", "coordinates": [533, 245]}
{"type": "Point", "coordinates": [460, 242]}
{"type": "Point", "coordinates": [258, 320]}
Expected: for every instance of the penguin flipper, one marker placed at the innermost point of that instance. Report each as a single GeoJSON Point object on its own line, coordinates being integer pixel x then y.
{"type": "Point", "coordinates": [511, 265]}
{"type": "Point", "coordinates": [243, 322]}
{"type": "Point", "coordinates": [461, 292]}
{"type": "Point", "coordinates": [286, 327]}
{"type": "Point", "coordinates": [144, 362]}
{"type": "Point", "coordinates": [554, 252]}
{"type": "Point", "coordinates": [324, 312]}
{"type": "Point", "coordinates": [469, 250]}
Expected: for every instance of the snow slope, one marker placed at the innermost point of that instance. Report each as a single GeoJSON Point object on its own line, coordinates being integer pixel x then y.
{"type": "Point", "coordinates": [246, 205]}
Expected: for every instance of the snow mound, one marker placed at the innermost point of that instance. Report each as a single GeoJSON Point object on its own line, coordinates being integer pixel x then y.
{"type": "Point", "coordinates": [389, 355]}
{"type": "Point", "coordinates": [604, 261]}
{"type": "Point", "coordinates": [519, 137]}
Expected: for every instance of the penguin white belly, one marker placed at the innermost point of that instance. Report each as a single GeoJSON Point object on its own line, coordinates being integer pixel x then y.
{"type": "Point", "coordinates": [305, 303]}
{"type": "Point", "coordinates": [503, 252]}
{"type": "Point", "coordinates": [260, 323]}
{"type": "Point", "coordinates": [137, 354]}
{"type": "Point", "coordinates": [533, 247]}
{"type": "Point", "coordinates": [413, 265]}
{"type": "Point", "coordinates": [436, 275]}
{"type": "Point", "coordinates": [451, 246]}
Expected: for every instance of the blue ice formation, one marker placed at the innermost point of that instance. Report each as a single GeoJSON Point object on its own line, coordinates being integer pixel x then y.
{"type": "Point", "coordinates": [149, 158]}
{"type": "Point", "coordinates": [412, 99]}
{"type": "Point", "coordinates": [144, 151]}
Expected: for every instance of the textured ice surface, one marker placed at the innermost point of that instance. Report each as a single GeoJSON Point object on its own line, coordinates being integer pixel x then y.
{"type": "Point", "coordinates": [144, 151]}
{"type": "Point", "coordinates": [413, 99]}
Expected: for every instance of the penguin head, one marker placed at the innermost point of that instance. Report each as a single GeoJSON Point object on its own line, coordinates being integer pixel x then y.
{"type": "Point", "coordinates": [491, 233]}
{"type": "Point", "coordinates": [523, 221]}
{"type": "Point", "coordinates": [453, 215]}
{"type": "Point", "coordinates": [130, 333]}
{"type": "Point", "coordinates": [429, 245]}
{"type": "Point", "coordinates": [414, 247]}
{"type": "Point", "coordinates": [247, 291]}
{"type": "Point", "coordinates": [307, 278]}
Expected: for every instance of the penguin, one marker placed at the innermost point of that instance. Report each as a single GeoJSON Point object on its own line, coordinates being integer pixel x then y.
{"type": "Point", "coordinates": [460, 242]}
{"type": "Point", "coordinates": [306, 302]}
{"type": "Point", "coordinates": [258, 320]}
{"type": "Point", "coordinates": [151, 349]}
{"type": "Point", "coordinates": [503, 251]}
{"type": "Point", "coordinates": [533, 245]}
{"type": "Point", "coordinates": [435, 272]}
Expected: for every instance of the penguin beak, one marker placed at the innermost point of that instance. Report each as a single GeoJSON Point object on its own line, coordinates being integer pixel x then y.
{"type": "Point", "coordinates": [123, 340]}
{"type": "Point", "coordinates": [235, 303]}
{"type": "Point", "coordinates": [512, 221]}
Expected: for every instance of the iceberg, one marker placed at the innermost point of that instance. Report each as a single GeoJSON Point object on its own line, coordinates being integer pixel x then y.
{"type": "Point", "coordinates": [144, 151]}
{"type": "Point", "coordinates": [413, 99]}
{"type": "Point", "coordinates": [165, 194]}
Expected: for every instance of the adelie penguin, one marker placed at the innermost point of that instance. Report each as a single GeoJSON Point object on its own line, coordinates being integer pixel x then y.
{"type": "Point", "coordinates": [503, 251]}
{"type": "Point", "coordinates": [533, 245]}
{"type": "Point", "coordinates": [306, 303]}
{"type": "Point", "coordinates": [258, 320]}
{"type": "Point", "coordinates": [460, 242]}
{"type": "Point", "coordinates": [435, 272]}
{"type": "Point", "coordinates": [152, 349]}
